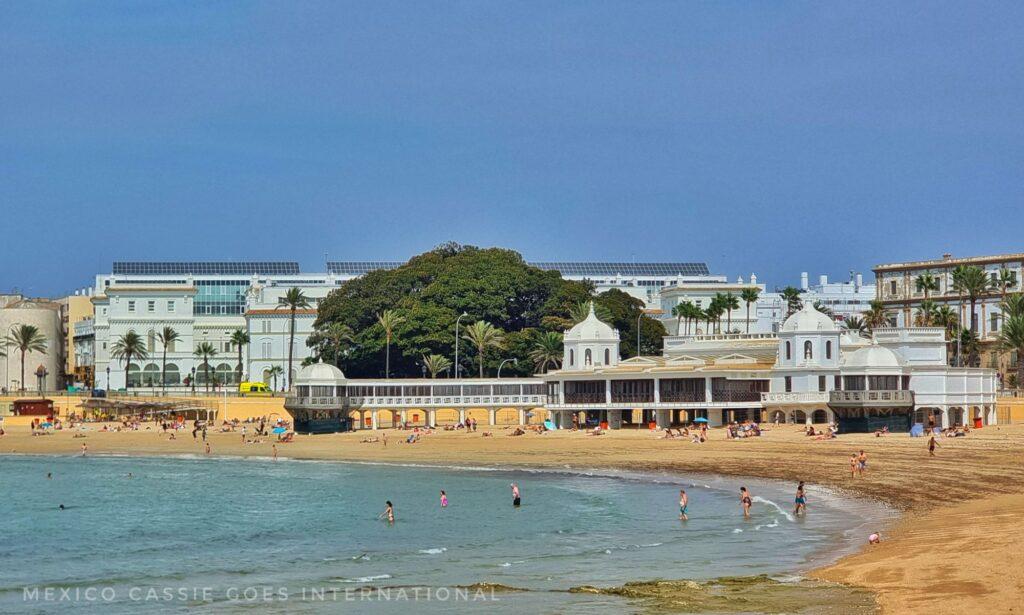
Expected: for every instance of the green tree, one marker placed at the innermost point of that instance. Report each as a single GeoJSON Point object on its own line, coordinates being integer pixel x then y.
{"type": "Point", "coordinates": [626, 313]}
{"type": "Point", "coordinates": [436, 364]}
{"type": "Point", "coordinates": [793, 301]}
{"type": "Point", "coordinates": [729, 302]}
{"type": "Point", "coordinates": [876, 316]}
{"type": "Point", "coordinates": [824, 309]}
{"type": "Point", "coordinates": [293, 301]}
{"type": "Point", "coordinates": [274, 372]}
{"type": "Point", "coordinates": [714, 314]}
{"type": "Point", "coordinates": [926, 283]}
{"type": "Point", "coordinates": [856, 324]}
{"type": "Point", "coordinates": [925, 314]}
{"type": "Point", "coordinates": [388, 320]}
{"type": "Point", "coordinates": [128, 346]}
{"type": "Point", "coordinates": [547, 351]}
{"type": "Point", "coordinates": [484, 335]}
{"type": "Point", "coordinates": [25, 339]}
{"type": "Point", "coordinates": [1011, 338]}
{"type": "Point", "coordinates": [581, 310]}
{"type": "Point", "coordinates": [749, 296]}
{"type": "Point", "coordinates": [971, 283]}
{"type": "Point", "coordinates": [167, 337]}
{"type": "Point", "coordinates": [970, 347]}
{"type": "Point", "coordinates": [240, 338]}
{"type": "Point", "coordinates": [204, 352]}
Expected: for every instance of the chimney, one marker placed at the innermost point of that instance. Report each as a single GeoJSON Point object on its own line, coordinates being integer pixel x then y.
{"type": "Point", "coordinates": [947, 256]}
{"type": "Point", "coordinates": [823, 280]}
{"type": "Point", "coordinates": [803, 281]}
{"type": "Point", "coordinates": [860, 280]}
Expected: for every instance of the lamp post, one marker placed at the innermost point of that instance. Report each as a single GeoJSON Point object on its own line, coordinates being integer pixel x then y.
{"type": "Point", "coordinates": [457, 343]}
{"type": "Point", "coordinates": [502, 364]}
{"type": "Point", "coordinates": [638, 317]}
{"type": "Point", "coordinates": [108, 377]}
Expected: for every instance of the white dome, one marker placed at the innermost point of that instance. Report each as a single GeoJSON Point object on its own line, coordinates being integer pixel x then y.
{"type": "Point", "coordinates": [809, 319]}
{"type": "Point", "coordinates": [874, 356]}
{"type": "Point", "coordinates": [320, 373]}
{"type": "Point", "coordinates": [591, 329]}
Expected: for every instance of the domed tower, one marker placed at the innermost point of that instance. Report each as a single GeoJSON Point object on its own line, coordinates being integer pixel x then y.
{"type": "Point", "coordinates": [808, 338]}
{"type": "Point", "coordinates": [590, 344]}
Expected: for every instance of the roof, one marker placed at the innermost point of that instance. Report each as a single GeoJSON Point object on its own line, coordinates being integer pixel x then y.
{"type": "Point", "coordinates": [320, 373]}
{"type": "Point", "coordinates": [585, 269]}
{"type": "Point", "coordinates": [808, 319]}
{"type": "Point", "coordinates": [116, 288]}
{"type": "Point", "coordinates": [951, 262]}
{"type": "Point", "coordinates": [281, 312]}
{"type": "Point", "coordinates": [591, 329]}
{"type": "Point", "coordinates": [206, 267]}
{"type": "Point", "coordinates": [873, 356]}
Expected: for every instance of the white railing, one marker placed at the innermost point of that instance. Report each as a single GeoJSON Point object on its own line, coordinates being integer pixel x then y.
{"type": "Point", "coordinates": [803, 397]}
{"type": "Point", "coordinates": [415, 402]}
{"type": "Point", "coordinates": [872, 397]}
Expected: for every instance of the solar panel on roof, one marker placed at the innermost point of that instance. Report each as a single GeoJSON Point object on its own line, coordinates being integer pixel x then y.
{"type": "Point", "coordinates": [206, 268]}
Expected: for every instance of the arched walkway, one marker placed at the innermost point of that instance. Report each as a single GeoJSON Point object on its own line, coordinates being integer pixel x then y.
{"type": "Point", "coordinates": [819, 416]}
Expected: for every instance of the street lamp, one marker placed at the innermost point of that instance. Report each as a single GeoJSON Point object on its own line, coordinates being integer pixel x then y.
{"type": "Point", "coordinates": [457, 343]}
{"type": "Point", "coordinates": [108, 377]}
{"type": "Point", "coordinates": [514, 362]}
{"type": "Point", "coordinates": [638, 317]}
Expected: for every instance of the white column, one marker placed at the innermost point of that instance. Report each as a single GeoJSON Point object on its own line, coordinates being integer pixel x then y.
{"type": "Point", "coordinates": [522, 416]}
{"type": "Point", "coordinates": [707, 391]}
{"type": "Point", "coordinates": [662, 418]}
{"type": "Point", "coordinates": [607, 391]}
{"type": "Point", "coordinates": [715, 417]}
{"type": "Point", "coordinates": [462, 415]}
{"type": "Point", "coordinates": [614, 419]}
{"type": "Point", "coordinates": [945, 417]}
{"type": "Point", "coordinates": [402, 417]}
{"type": "Point", "coordinates": [657, 391]}
{"type": "Point", "coordinates": [492, 416]}
{"type": "Point", "coordinates": [431, 418]}
{"type": "Point", "coordinates": [373, 420]}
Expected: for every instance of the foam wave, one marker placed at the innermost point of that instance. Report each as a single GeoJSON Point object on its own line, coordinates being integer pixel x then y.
{"type": "Point", "coordinates": [433, 551]}
{"type": "Point", "coordinates": [785, 513]}
{"type": "Point", "coordinates": [367, 579]}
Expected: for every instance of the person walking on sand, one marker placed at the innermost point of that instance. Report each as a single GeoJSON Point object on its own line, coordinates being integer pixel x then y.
{"type": "Point", "coordinates": [85, 449]}
{"type": "Point", "coordinates": [384, 438]}
{"type": "Point", "coordinates": [516, 500]}
{"type": "Point", "coordinates": [862, 462]}
{"type": "Point", "coordinates": [801, 500]}
{"type": "Point", "coordinates": [207, 448]}
{"type": "Point", "coordinates": [853, 465]}
{"type": "Point", "coordinates": [746, 501]}
{"type": "Point", "coordinates": [931, 445]}
{"type": "Point", "coordinates": [274, 447]}
{"type": "Point", "coordinates": [684, 501]}
{"type": "Point", "coordinates": [444, 499]}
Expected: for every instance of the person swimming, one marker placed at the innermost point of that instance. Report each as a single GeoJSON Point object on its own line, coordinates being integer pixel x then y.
{"type": "Point", "coordinates": [801, 500]}
{"type": "Point", "coordinates": [49, 475]}
{"type": "Point", "coordinates": [684, 501]}
{"type": "Point", "coordinates": [444, 499]}
{"type": "Point", "coordinates": [516, 500]}
{"type": "Point", "coordinates": [746, 501]}
{"type": "Point", "coordinates": [61, 507]}
{"type": "Point", "coordinates": [389, 512]}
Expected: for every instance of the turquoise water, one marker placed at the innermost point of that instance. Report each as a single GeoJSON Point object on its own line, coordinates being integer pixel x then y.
{"type": "Point", "coordinates": [254, 535]}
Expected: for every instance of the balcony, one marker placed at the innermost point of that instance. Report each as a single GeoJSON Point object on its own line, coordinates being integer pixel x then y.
{"type": "Point", "coordinates": [413, 402]}
{"type": "Point", "coordinates": [856, 399]}
{"type": "Point", "coordinates": [805, 397]}
{"type": "Point", "coordinates": [719, 396]}
{"type": "Point", "coordinates": [314, 402]}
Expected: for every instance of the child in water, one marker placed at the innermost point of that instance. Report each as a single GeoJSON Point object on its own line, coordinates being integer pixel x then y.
{"type": "Point", "coordinates": [444, 499]}
{"type": "Point", "coordinates": [684, 500]}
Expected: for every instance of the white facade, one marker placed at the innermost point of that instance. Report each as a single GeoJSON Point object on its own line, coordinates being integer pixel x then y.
{"type": "Point", "coordinates": [45, 315]}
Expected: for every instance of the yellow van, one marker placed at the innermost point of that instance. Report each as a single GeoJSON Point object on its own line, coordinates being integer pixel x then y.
{"type": "Point", "coordinates": [254, 389]}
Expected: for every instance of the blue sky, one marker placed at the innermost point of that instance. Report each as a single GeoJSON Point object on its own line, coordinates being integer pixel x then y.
{"type": "Point", "coordinates": [767, 137]}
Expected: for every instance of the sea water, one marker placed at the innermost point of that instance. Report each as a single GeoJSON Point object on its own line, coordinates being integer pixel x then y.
{"type": "Point", "coordinates": [222, 535]}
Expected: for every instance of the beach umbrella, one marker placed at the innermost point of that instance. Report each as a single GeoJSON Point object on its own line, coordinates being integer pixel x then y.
{"type": "Point", "coordinates": [279, 430]}
{"type": "Point", "coordinates": [700, 420]}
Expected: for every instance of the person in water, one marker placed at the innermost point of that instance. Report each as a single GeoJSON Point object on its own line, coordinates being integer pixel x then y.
{"type": "Point", "coordinates": [389, 512]}
{"type": "Point", "coordinates": [61, 507]}
{"type": "Point", "coordinates": [746, 501]}
{"type": "Point", "coordinates": [444, 499]}
{"type": "Point", "coordinates": [516, 500]}
{"type": "Point", "coordinates": [801, 500]}
{"type": "Point", "coordinates": [49, 475]}
{"type": "Point", "coordinates": [684, 500]}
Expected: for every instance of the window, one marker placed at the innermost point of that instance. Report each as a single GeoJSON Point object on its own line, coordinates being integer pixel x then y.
{"type": "Point", "coordinates": [170, 307]}
{"type": "Point", "coordinates": [892, 287]}
{"type": "Point", "coordinates": [572, 357]}
{"type": "Point", "coordinates": [227, 346]}
{"type": "Point", "coordinates": [150, 306]}
{"type": "Point", "coordinates": [265, 326]}
{"type": "Point", "coordinates": [828, 350]}
{"type": "Point", "coordinates": [588, 358]}
{"type": "Point", "coordinates": [808, 353]}
{"type": "Point", "coordinates": [789, 351]}
{"type": "Point", "coordinates": [131, 306]}
{"type": "Point", "coordinates": [837, 382]}
{"type": "Point", "coordinates": [821, 383]}
{"type": "Point", "coordinates": [994, 323]}
{"type": "Point", "coordinates": [789, 384]}
{"type": "Point", "coordinates": [607, 357]}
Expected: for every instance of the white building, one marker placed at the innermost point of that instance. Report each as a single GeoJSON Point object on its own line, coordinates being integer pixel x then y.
{"type": "Point", "coordinates": [45, 368]}
{"type": "Point", "coordinates": [203, 303]}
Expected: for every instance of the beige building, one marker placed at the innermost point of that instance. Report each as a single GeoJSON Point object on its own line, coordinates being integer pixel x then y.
{"type": "Point", "coordinates": [16, 310]}
{"type": "Point", "coordinates": [74, 309]}
{"type": "Point", "coordinates": [897, 290]}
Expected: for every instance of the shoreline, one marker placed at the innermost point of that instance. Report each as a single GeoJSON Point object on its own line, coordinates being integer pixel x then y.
{"type": "Point", "coordinates": [956, 512]}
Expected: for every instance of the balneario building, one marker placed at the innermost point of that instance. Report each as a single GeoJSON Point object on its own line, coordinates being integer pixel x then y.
{"type": "Point", "coordinates": [811, 371]}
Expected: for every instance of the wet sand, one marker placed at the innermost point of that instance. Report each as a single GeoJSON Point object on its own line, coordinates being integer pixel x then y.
{"type": "Point", "coordinates": [958, 547]}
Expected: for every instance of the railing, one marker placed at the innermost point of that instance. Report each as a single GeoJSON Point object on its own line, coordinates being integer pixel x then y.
{"type": "Point", "coordinates": [886, 398]}
{"type": "Point", "coordinates": [726, 396]}
{"type": "Point", "coordinates": [682, 396]}
{"type": "Point", "coordinates": [803, 397]}
{"type": "Point", "coordinates": [585, 398]}
{"type": "Point", "coordinates": [631, 398]}
{"type": "Point", "coordinates": [718, 337]}
{"type": "Point", "coordinates": [413, 402]}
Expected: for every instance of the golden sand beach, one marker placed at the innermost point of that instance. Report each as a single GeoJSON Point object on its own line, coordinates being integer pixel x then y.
{"type": "Point", "coordinates": [959, 546]}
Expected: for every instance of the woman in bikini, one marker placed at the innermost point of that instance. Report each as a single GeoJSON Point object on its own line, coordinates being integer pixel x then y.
{"type": "Point", "coordinates": [746, 501]}
{"type": "Point", "coordinates": [801, 500]}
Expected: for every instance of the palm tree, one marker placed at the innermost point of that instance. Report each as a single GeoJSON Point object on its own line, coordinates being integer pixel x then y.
{"type": "Point", "coordinates": [338, 334]}
{"type": "Point", "coordinates": [748, 296]}
{"type": "Point", "coordinates": [25, 339]}
{"type": "Point", "coordinates": [166, 337]}
{"type": "Point", "coordinates": [293, 300]}
{"type": "Point", "coordinates": [127, 346]}
{"type": "Point", "coordinates": [925, 314]}
{"type": "Point", "coordinates": [1011, 337]}
{"type": "Point", "coordinates": [714, 313]}
{"type": "Point", "coordinates": [926, 283]}
{"type": "Point", "coordinates": [824, 309]}
{"type": "Point", "coordinates": [580, 311]}
{"type": "Point", "coordinates": [388, 320]}
{"type": "Point", "coordinates": [728, 302]}
{"type": "Point", "coordinates": [876, 316]}
{"type": "Point", "coordinates": [791, 296]}
{"type": "Point", "coordinates": [971, 282]}
{"type": "Point", "coordinates": [547, 350]}
{"type": "Point", "coordinates": [436, 363]}
{"type": "Point", "coordinates": [1006, 280]}
{"type": "Point", "coordinates": [240, 338]}
{"type": "Point", "coordinates": [484, 335]}
{"type": "Point", "coordinates": [274, 372]}
{"type": "Point", "coordinates": [855, 324]}
{"type": "Point", "coordinates": [695, 315]}
{"type": "Point", "coordinates": [1012, 305]}
{"type": "Point", "coordinates": [946, 317]}
{"type": "Point", "coordinates": [969, 347]}
{"type": "Point", "coordinates": [679, 310]}
{"type": "Point", "coordinates": [204, 352]}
